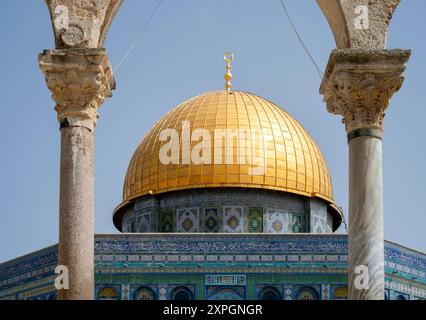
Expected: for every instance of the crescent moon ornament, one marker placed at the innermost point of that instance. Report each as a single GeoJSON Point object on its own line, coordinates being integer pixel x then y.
{"type": "Point", "coordinates": [228, 57]}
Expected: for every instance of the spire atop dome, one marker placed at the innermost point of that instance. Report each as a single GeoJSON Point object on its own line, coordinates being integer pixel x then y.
{"type": "Point", "coordinates": [228, 57]}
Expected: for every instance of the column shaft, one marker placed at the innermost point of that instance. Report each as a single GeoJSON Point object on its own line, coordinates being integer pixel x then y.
{"type": "Point", "coordinates": [76, 232]}
{"type": "Point", "coordinates": [366, 217]}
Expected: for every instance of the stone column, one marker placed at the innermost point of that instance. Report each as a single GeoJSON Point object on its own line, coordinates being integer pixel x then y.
{"type": "Point", "coordinates": [358, 85]}
{"type": "Point", "coordinates": [80, 80]}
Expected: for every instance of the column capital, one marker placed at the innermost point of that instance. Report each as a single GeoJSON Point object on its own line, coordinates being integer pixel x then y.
{"type": "Point", "coordinates": [80, 80]}
{"type": "Point", "coordinates": [358, 85]}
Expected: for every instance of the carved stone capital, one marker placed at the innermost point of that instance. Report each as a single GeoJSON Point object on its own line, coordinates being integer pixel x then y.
{"type": "Point", "coordinates": [358, 85]}
{"type": "Point", "coordinates": [80, 80]}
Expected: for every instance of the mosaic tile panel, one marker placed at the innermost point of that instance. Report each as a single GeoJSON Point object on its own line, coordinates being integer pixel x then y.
{"type": "Point", "coordinates": [145, 223]}
{"type": "Point", "coordinates": [233, 220]}
{"type": "Point", "coordinates": [167, 221]}
{"type": "Point", "coordinates": [162, 292]}
{"type": "Point", "coordinates": [225, 279]}
{"type": "Point", "coordinates": [125, 290]}
{"type": "Point", "coordinates": [276, 221]}
{"type": "Point", "coordinates": [187, 220]}
{"type": "Point", "coordinates": [210, 222]}
{"type": "Point", "coordinates": [329, 227]}
{"type": "Point", "coordinates": [295, 223]}
{"type": "Point", "coordinates": [325, 292]}
{"type": "Point", "coordinates": [288, 292]}
{"type": "Point", "coordinates": [255, 220]}
{"type": "Point", "coordinates": [319, 224]}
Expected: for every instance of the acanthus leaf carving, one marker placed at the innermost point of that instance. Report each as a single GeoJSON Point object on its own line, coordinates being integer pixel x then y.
{"type": "Point", "coordinates": [80, 80]}
{"type": "Point", "coordinates": [359, 85]}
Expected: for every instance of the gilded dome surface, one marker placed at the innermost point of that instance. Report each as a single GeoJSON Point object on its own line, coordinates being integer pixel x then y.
{"type": "Point", "coordinates": [292, 161]}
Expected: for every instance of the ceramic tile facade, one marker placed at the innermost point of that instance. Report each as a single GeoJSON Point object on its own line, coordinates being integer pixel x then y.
{"type": "Point", "coordinates": [296, 223]}
{"type": "Point", "coordinates": [188, 220]}
{"type": "Point", "coordinates": [255, 220]}
{"type": "Point", "coordinates": [276, 221]}
{"type": "Point", "coordinates": [211, 220]}
{"type": "Point", "coordinates": [233, 220]}
{"type": "Point", "coordinates": [134, 266]}
{"type": "Point", "coordinates": [258, 212]}
{"type": "Point", "coordinates": [318, 223]}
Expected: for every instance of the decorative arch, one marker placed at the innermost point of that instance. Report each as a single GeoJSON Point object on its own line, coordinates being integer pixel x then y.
{"type": "Point", "coordinates": [341, 293]}
{"type": "Point", "coordinates": [225, 293]}
{"type": "Point", "coordinates": [269, 293]}
{"type": "Point", "coordinates": [81, 24]}
{"type": "Point", "coordinates": [400, 296]}
{"type": "Point", "coordinates": [343, 14]}
{"type": "Point", "coordinates": [144, 293]}
{"type": "Point", "coordinates": [307, 293]}
{"type": "Point", "coordinates": [181, 293]}
{"type": "Point", "coordinates": [108, 293]}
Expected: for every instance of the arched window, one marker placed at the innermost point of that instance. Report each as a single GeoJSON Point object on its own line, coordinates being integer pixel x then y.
{"type": "Point", "coordinates": [269, 293]}
{"type": "Point", "coordinates": [145, 293]}
{"type": "Point", "coordinates": [307, 293]}
{"type": "Point", "coordinates": [401, 297]}
{"type": "Point", "coordinates": [181, 293]}
{"type": "Point", "coordinates": [108, 293]}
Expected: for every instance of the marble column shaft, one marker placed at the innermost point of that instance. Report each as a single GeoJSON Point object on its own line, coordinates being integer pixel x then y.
{"type": "Point", "coordinates": [358, 85]}
{"type": "Point", "coordinates": [366, 242]}
{"type": "Point", "coordinates": [76, 206]}
{"type": "Point", "coordinates": [80, 80]}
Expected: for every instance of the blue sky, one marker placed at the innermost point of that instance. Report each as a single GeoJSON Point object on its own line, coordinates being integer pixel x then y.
{"type": "Point", "coordinates": [179, 56]}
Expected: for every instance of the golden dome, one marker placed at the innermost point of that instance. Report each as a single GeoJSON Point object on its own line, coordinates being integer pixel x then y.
{"type": "Point", "coordinates": [293, 161]}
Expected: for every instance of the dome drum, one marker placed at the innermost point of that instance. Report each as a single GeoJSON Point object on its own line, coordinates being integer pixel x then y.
{"type": "Point", "coordinates": [228, 210]}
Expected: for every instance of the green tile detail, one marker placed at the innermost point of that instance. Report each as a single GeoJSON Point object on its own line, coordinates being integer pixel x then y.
{"type": "Point", "coordinates": [167, 221]}
{"type": "Point", "coordinates": [255, 220]}
{"type": "Point", "coordinates": [211, 220]}
{"type": "Point", "coordinates": [296, 223]}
